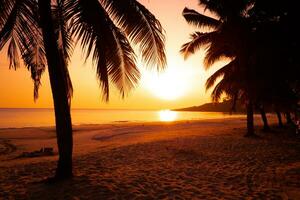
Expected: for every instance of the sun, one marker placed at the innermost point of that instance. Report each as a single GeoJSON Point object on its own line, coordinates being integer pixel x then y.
{"type": "Point", "coordinates": [168, 85]}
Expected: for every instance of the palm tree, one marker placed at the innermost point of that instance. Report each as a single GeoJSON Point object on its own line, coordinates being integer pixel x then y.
{"type": "Point", "coordinates": [229, 37]}
{"type": "Point", "coordinates": [43, 33]}
{"type": "Point", "coordinates": [262, 111]}
{"type": "Point", "coordinates": [275, 23]}
{"type": "Point", "coordinates": [280, 124]}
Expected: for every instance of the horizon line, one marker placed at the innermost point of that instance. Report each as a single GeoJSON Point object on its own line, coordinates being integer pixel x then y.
{"type": "Point", "coordinates": [87, 108]}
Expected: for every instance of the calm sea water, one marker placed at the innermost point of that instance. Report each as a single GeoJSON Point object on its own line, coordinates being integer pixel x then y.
{"type": "Point", "coordinates": [19, 117]}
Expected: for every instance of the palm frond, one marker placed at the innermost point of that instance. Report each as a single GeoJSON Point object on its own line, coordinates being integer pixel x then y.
{"type": "Point", "coordinates": [12, 54]}
{"type": "Point", "coordinates": [8, 20]}
{"type": "Point", "coordinates": [198, 40]}
{"type": "Point", "coordinates": [60, 18]}
{"type": "Point", "coordinates": [216, 7]}
{"type": "Point", "coordinates": [219, 73]}
{"type": "Point", "coordinates": [199, 20]}
{"type": "Point", "coordinates": [6, 7]}
{"type": "Point", "coordinates": [64, 39]}
{"type": "Point", "coordinates": [228, 8]}
{"type": "Point", "coordinates": [217, 92]}
{"type": "Point", "coordinates": [21, 28]}
{"type": "Point", "coordinates": [230, 85]}
{"type": "Point", "coordinates": [114, 57]}
{"type": "Point", "coordinates": [142, 28]}
{"type": "Point", "coordinates": [215, 52]}
{"type": "Point", "coordinates": [31, 43]}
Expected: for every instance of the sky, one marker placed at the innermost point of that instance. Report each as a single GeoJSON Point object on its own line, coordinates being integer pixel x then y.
{"type": "Point", "coordinates": [180, 85]}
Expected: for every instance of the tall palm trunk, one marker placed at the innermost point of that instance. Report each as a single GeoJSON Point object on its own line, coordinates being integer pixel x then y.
{"type": "Point", "coordinates": [280, 124]}
{"type": "Point", "coordinates": [264, 118]}
{"type": "Point", "coordinates": [59, 92]}
{"type": "Point", "coordinates": [250, 119]}
{"type": "Point", "coordinates": [289, 120]}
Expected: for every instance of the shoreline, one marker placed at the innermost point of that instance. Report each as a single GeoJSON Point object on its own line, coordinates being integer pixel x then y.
{"type": "Point", "coordinates": [88, 117]}
{"type": "Point", "coordinates": [89, 137]}
{"type": "Point", "coordinates": [34, 138]}
{"type": "Point", "coordinates": [228, 116]}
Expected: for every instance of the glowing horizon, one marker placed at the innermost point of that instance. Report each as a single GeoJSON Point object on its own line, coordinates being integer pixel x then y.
{"type": "Point", "coordinates": [181, 85]}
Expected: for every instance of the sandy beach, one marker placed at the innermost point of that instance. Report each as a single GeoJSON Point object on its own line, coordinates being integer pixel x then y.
{"type": "Point", "coordinates": [208, 159]}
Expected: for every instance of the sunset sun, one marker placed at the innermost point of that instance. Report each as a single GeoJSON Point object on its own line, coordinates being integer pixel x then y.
{"type": "Point", "coordinates": [168, 85]}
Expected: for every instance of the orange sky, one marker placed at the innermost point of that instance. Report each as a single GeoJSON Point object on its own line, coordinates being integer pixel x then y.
{"type": "Point", "coordinates": [184, 80]}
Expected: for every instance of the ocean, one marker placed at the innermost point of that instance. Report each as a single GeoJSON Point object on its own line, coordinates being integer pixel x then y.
{"type": "Point", "coordinates": [39, 117]}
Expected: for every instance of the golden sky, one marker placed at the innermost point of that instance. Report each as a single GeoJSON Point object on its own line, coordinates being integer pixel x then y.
{"type": "Point", "coordinates": [181, 85]}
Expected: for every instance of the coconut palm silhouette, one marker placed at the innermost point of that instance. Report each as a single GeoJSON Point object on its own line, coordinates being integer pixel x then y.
{"type": "Point", "coordinates": [43, 33]}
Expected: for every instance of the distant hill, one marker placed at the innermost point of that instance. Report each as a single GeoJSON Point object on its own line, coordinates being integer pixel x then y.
{"type": "Point", "coordinates": [224, 106]}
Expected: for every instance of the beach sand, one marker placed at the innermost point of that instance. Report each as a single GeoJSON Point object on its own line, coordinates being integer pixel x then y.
{"type": "Point", "coordinates": [208, 159]}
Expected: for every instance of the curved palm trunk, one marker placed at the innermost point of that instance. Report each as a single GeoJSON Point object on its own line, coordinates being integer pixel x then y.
{"type": "Point", "coordinates": [59, 92]}
{"type": "Point", "coordinates": [264, 118]}
{"type": "Point", "coordinates": [280, 124]}
{"type": "Point", "coordinates": [250, 119]}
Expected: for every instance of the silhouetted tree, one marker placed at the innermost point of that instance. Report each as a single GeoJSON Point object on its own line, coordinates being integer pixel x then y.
{"type": "Point", "coordinates": [230, 37]}
{"type": "Point", "coordinates": [264, 118]}
{"type": "Point", "coordinates": [258, 38]}
{"type": "Point", "coordinates": [280, 124]}
{"type": "Point", "coordinates": [279, 42]}
{"type": "Point", "coordinates": [42, 32]}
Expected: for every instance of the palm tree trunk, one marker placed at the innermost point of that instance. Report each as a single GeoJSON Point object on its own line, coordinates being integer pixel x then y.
{"type": "Point", "coordinates": [59, 92]}
{"type": "Point", "coordinates": [264, 118]}
{"type": "Point", "coordinates": [280, 124]}
{"type": "Point", "coordinates": [289, 120]}
{"type": "Point", "coordinates": [250, 119]}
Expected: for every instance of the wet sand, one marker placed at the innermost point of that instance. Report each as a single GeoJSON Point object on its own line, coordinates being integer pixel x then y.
{"type": "Point", "coordinates": [208, 159]}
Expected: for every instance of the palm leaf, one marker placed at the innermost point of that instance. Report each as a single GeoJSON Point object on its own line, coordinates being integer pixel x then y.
{"type": "Point", "coordinates": [142, 28]}
{"type": "Point", "coordinates": [227, 9]}
{"type": "Point", "coordinates": [114, 57]}
{"type": "Point", "coordinates": [8, 23]}
{"type": "Point", "coordinates": [21, 29]}
{"type": "Point", "coordinates": [63, 31]}
{"type": "Point", "coordinates": [199, 20]}
{"type": "Point", "coordinates": [6, 7]}
{"type": "Point", "coordinates": [31, 43]}
{"type": "Point", "coordinates": [219, 89]}
{"type": "Point", "coordinates": [219, 73]}
{"type": "Point", "coordinates": [230, 84]}
{"type": "Point", "coordinates": [198, 40]}
{"type": "Point", "coordinates": [215, 52]}
{"type": "Point", "coordinates": [64, 39]}
{"type": "Point", "coordinates": [12, 54]}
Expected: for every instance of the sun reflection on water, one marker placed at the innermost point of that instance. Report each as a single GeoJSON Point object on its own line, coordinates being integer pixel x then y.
{"type": "Point", "coordinates": [167, 115]}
